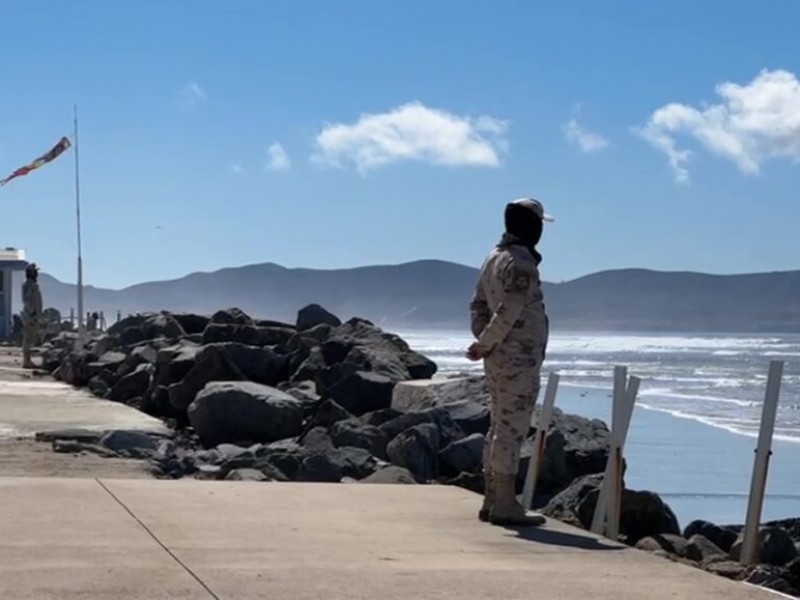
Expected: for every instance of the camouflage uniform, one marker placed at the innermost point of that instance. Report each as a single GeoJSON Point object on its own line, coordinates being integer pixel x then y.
{"type": "Point", "coordinates": [31, 316]}
{"type": "Point", "coordinates": [510, 323]}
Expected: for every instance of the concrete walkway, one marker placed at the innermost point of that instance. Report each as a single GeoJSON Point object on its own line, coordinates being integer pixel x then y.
{"type": "Point", "coordinates": [143, 540]}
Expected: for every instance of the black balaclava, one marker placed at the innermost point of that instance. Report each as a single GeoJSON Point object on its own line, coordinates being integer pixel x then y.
{"type": "Point", "coordinates": [522, 222]}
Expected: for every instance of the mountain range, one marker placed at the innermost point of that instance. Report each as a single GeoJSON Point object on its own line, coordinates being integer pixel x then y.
{"type": "Point", "coordinates": [435, 295]}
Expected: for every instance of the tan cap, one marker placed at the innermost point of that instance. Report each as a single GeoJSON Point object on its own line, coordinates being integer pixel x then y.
{"type": "Point", "coordinates": [535, 206]}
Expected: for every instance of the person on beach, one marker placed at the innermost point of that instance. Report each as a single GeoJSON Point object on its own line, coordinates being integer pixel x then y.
{"type": "Point", "coordinates": [511, 327]}
{"type": "Point", "coordinates": [31, 313]}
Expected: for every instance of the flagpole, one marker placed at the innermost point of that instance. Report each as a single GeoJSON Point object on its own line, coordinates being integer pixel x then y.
{"type": "Point", "coordinates": [81, 329]}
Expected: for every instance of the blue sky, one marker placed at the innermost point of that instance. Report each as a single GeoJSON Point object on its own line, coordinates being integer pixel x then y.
{"type": "Point", "coordinates": [337, 134]}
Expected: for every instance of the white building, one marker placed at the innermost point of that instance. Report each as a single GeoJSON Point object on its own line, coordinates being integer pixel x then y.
{"type": "Point", "coordinates": [11, 260]}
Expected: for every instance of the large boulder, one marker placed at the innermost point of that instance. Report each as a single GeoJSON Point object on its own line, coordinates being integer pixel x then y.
{"type": "Point", "coordinates": [357, 435]}
{"type": "Point", "coordinates": [213, 363]}
{"type": "Point", "coordinates": [391, 474]}
{"type": "Point", "coordinates": [721, 537]}
{"type": "Point", "coordinates": [420, 394]}
{"type": "Point", "coordinates": [464, 455]}
{"type": "Point", "coordinates": [332, 466]}
{"type": "Point", "coordinates": [417, 450]}
{"type": "Point", "coordinates": [358, 341]}
{"type": "Point", "coordinates": [250, 335]}
{"type": "Point", "coordinates": [243, 410]}
{"type": "Point", "coordinates": [329, 412]}
{"type": "Point", "coordinates": [262, 365]}
{"type": "Point", "coordinates": [192, 324]}
{"type": "Point", "coordinates": [313, 315]}
{"type": "Point", "coordinates": [231, 316]}
{"type": "Point", "coordinates": [362, 392]}
{"type": "Point", "coordinates": [774, 547]}
{"type": "Point", "coordinates": [702, 549]}
{"type": "Point", "coordinates": [133, 385]}
{"type": "Point", "coordinates": [74, 368]}
{"type": "Point", "coordinates": [140, 328]}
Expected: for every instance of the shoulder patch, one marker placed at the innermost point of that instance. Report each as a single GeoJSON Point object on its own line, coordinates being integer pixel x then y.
{"type": "Point", "coordinates": [520, 279]}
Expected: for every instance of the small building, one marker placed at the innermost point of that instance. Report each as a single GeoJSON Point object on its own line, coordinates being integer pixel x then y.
{"type": "Point", "coordinates": [11, 259]}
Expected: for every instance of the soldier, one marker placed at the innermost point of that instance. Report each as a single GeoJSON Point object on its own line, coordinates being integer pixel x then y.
{"type": "Point", "coordinates": [511, 329]}
{"type": "Point", "coordinates": [31, 313]}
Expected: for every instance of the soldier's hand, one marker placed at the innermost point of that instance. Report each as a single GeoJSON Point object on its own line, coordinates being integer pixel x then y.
{"type": "Point", "coordinates": [476, 352]}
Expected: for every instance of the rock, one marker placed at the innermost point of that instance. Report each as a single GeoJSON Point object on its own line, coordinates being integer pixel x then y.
{"type": "Point", "coordinates": [363, 392]}
{"type": "Point", "coordinates": [469, 481]}
{"type": "Point", "coordinates": [564, 506]}
{"type": "Point", "coordinates": [726, 568]}
{"type": "Point", "coordinates": [246, 475]}
{"type": "Point", "coordinates": [243, 410]}
{"type": "Point", "coordinates": [318, 440]}
{"type": "Point", "coordinates": [774, 547]}
{"type": "Point", "coordinates": [674, 544]}
{"type": "Point", "coordinates": [358, 341]}
{"type": "Point", "coordinates": [261, 365]}
{"type": "Point", "coordinates": [140, 355]}
{"type": "Point", "coordinates": [792, 573]}
{"type": "Point", "coordinates": [391, 474]}
{"type": "Point", "coordinates": [471, 417]}
{"type": "Point", "coordinates": [417, 395]}
{"type": "Point", "coordinates": [192, 324]}
{"type": "Point", "coordinates": [700, 548]}
{"type": "Point", "coordinates": [769, 576]}
{"type": "Point", "coordinates": [417, 449]}
{"type": "Point", "coordinates": [721, 537]}
{"type": "Point", "coordinates": [249, 335]}
{"type": "Point", "coordinates": [311, 367]}
{"type": "Point", "coordinates": [122, 441]}
{"type": "Point", "coordinates": [357, 435]}
{"type": "Point", "coordinates": [74, 369]}
{"type": "Point", "coordinates": [174, 362]}
{"type": "Point", "coordinates": [162, 325]}
{"type": "Point", "coordinates": [464, 455]}
{"type": "Point", "coordinates": [313, 315]}
{"type": "Point", "coordinates": [329, 412]}
{"type": "Point", "coordinates": [52, 358]}
{"type": "Point", "coordinates": [98, 386]}
{"type": "Point", "coordinates": [448, 430]}
{"type": "Point", "coordinates": [132, 385]}
{"type": "Point", "coordinates": [84, 436]}
{"type": "Point", "coordinates": [111, 361]}
{"type": "Point", "coordinates": [213, 363]}
{"type": "Point", "coordinates": [128, 322]}
{"type": "Point", "coordinates": [231, 316]}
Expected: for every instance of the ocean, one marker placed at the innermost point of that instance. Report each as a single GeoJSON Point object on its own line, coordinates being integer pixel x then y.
{"type": "Point", "coordinates": [696, 420]}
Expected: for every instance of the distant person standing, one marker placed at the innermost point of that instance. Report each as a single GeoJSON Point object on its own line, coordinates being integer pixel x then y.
{"type": "Point", "coordinates": [511, 330]}
{"type": "Point", "coordinates": [31, 313]}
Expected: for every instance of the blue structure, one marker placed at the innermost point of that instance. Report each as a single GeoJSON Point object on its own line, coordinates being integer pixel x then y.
{"type": "Point", "coordinates": [11, 260]}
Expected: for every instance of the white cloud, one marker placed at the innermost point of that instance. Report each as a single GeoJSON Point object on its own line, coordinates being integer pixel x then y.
{"type": "Point", "coordinates": [237, 168]}
{"type": "Point", "coordinates": [752, 124]}
{"type": "Point", "coordinates": [278, 159]}
{"type": "Point", "coordinates": [413, 132]}
{"type": "Point", "coordinates": [586, 140]}
{"type": "Point", "coordinates": [192, 94]}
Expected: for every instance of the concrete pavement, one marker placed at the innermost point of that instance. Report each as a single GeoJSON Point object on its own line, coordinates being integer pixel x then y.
{"type": "Point", "coordinates": [144, 540]}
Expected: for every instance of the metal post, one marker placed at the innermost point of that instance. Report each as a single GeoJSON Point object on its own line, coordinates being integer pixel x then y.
{"type": "Point", "coordinates": [81, 328]}
{"type": "Point", "coordinates": [545, 416]}
{"type": "Point", "coordinates": [760, 468]}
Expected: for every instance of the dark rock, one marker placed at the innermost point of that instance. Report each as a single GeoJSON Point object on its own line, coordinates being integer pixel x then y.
{"type": "Point", "coordinates": [328, 377]}
{"type": "Point", "coordinates": [132, 385]}
{"type": "Point", "coordinates": [249, 335]}
{"type": "Point", "coordinates": [726, 568]}
{"type": "Point", "coordinates": [379, 417]}
{"type": "Point", "coordinates": [84, 436]}
{"type": "Point", "coordinates": [564, 506]}
{"type": "Point", "coordinates": [719, 536]}
{"type": "Point", "coordinates": [770, 577]}
{"type": "Point", "coordinates": [131, 321]}
{"type": "Point", "coordinates": [191, 324]}
{"type": "Point", "coordinates": [472, 482]}
{"type": "Point", "coordinates": [357, 435]}
{"type": "Point", "coordinates": [700, 548]}
{"type": "Point", "coordinates": [311, 367]}
{"type": "Point", "coordinates": [417, 449]}
{"type": "Point", "coordinates": [162, 325]}
{"type": "Point", "coordinates": [111, 361]}
{"type": "Point", "coordinates": [673, 544]}
{"type": "Point", "coordinates": [363, 392]}
{"type": "Point", "coordinates": [391, 474]}
{"type": "Point", "coordinates": [140, 355]}
{"type": "Point", "coordinates": [469, 416]}
{"type": "Point", "coordinates": [261, 365]}
{"type": "Point", "coordinates": [52, 358]}
{"type": "Point", "coordinates": [464, 455]}
{"type": "Point", "coordinates": [231, 411]}
{"type": "Point", "coordinates": [318, 440]}
{"type": "Point", "coordinates": [98, 386]}
{"type": "Point", "coordinates": [74, 369]}
{"type": "Point", "coordinates": [360, 342]}
{"type": "Point", "coordinates": [332, 466]}
{"type": "Point", "coordinates": [213, 363]}
{"type": "Point", "coordinates": [231, 316]}
{"type": "Point", "coordinates": [122, 441]}
{"type": "Point", "coordinates": [313, 315]}
{"type": "Point", "coordinates": [174, 362]}
{"type": "Point", "coordinates": [774, 547]}
{"type": "Point", "coordinates": [246, 475]}
{"type": "Point", "coordinates": [329, 412]}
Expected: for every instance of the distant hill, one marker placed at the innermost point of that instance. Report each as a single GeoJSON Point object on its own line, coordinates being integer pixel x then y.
{"type": "Point", "coordinates": [436, 294]}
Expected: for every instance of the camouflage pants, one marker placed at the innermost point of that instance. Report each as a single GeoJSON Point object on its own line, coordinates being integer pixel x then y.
{"type": "Point", "coordinates": [30, 337]}
{"type": "Point", "coordinates": [512, 377]}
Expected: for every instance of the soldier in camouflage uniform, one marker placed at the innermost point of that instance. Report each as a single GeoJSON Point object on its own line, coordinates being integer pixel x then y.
{"type": "Point", "coordinates": [31, 313]}
{"type": "Point", "coordinates": [511, 329]}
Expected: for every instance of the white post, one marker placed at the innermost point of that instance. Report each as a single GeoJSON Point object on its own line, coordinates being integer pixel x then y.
{"type": "Point", "coordinates": [545, 416]}
{"type": "Point", "coordinates": [760, 468]}
{"type": "Point", "coordinates": [609, 501]}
